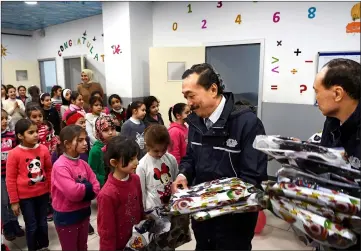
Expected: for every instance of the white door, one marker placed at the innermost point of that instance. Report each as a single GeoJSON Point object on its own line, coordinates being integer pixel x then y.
{"type": "Point", "coordinates": [166, 66]}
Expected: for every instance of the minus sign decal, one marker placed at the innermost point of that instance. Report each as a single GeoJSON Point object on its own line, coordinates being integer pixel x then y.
{"type": "Point", "coordinates": [309, 61]}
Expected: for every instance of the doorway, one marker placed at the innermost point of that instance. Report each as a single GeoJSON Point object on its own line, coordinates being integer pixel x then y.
{"type": "Point", "coordinates": [48, 77]}
{"type": "Point", "coordinates": [239, 67]}
{"type": "Point", "coordinates": [72, 70]}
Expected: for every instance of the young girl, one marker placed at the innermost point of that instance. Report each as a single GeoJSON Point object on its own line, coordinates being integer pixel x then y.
{"type": "Point", "coordinates": [152, 108]}
{"type": "Point", "coordinates": [14, 107]}
{"type": "Point", "coordinates": [65, 97]}
{"type": "Point", "coordinates": [96, 106]}
{"type": "Point", "coordinates": [76, 104]}
{"type": "Point", "coordinates": [117, 111]}
{"type": "Point", "coordinates": [120, 204]}
{"type": "Point", "coordinates": [50, 113]}
{"type": "Point", "coordinates": [22, 93]}
{"type": "Point", "coordinates": [178, 131]}
{"type": "Point", "coordinates": [9, 220]}
{"type": "Point", "coordinates": [157, 170]}
{"type": "Point", "coordinates": [104, 131]}
{"type": "Point", "coordinates": [34, 93]}
{"type": "Point", "coordinates": [99, 94]}
{"type": "Point", "coordinates": [134, 127]}
{"type": "Point", "coordinates": [56, 99]}
{"type": "Point", "coordinates": [46, 133]}
{"type": "Point", "coordinates": [73, 187]}
{"type": "Point", "coordinates": [3, 93]}
{"type": "Point", "coordinates": [28, 179]}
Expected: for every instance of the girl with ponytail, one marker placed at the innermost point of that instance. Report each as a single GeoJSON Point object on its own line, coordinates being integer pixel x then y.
{"type": "Point", "coordinates": [178, 131]}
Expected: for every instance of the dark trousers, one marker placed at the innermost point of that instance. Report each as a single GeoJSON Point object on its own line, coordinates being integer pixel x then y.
{"type": "Point", "coordinates": [34, 211]}
{"type": "Point", "coordinates": [74, 237]}
{"type": "Point", "coordinates": [228, 232]}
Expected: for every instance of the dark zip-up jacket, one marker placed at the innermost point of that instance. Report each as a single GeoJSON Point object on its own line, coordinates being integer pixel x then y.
{"type": "Point", "coordinates": [148, 120]}
{"type": "Point", "coordinates": [225, 150]}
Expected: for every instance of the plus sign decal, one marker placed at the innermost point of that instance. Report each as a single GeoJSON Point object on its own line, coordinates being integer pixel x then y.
{"type": "Point", "coordinates": [294, 71]}
{"type": "Point", "coordinates": [297, 52]}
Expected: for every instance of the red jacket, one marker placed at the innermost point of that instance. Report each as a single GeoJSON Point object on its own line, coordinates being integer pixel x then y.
{"type": "Point", "coordinates": [179, 137]}
{"type": "Point", "coordinates": [28, 172]}
{"type": "Point", "coordinates": [120, 207]}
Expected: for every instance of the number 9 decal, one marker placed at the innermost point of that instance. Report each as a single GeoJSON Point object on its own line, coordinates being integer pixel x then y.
{"type": "Point", "coordinates": [175, 26]}
{"type": "Point", "coordinates": [276, 17]}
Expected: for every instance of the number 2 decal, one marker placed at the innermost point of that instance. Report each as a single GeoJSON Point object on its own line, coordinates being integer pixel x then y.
{"type": "Point", "coordinates": [204, 24]}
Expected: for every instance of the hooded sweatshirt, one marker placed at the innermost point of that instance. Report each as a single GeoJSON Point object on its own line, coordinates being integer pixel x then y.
{"type": "Point", "coordinates": [96, 161]}
{"type": "Point", "coordinates": [179, 136]}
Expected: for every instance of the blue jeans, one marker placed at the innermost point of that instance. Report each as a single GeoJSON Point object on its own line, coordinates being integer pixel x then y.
{"type": "Point", "coordinates": [34, 211]}
{"type": "Point", "coordinates": [7, 214]}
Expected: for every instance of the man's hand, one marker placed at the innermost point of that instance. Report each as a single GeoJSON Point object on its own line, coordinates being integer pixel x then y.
{"type": "Point", "coordinates": [180, 181]}
{"type": "Point", "coordinates": [16, 209]}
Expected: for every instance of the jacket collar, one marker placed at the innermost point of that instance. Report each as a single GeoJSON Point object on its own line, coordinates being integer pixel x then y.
{"type": "Point", "coordinates": [198, 122]}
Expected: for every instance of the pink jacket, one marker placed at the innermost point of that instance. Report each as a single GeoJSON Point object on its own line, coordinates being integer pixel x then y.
{"type": "Point", "coordinates": [68, 187]}
{"type": "Point", "coordinates": [71, 109]}
{"type": "Point", "coordinates": [179, 137]}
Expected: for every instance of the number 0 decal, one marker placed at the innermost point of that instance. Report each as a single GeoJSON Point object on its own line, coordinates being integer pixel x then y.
{"type": "Point", "coordinates": [238, 19]}
{"type": "Point", "coordinates": [204, 24]}
{"type": "Point", "coordinates": [175, 26]}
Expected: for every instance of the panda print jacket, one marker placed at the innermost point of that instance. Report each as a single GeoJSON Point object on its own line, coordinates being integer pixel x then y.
{"type": "Point", "coordinates": [28, 172]}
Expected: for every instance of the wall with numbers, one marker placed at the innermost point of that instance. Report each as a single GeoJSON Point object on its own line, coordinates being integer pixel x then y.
{"type": "Point", "coordinates": [294, 33]}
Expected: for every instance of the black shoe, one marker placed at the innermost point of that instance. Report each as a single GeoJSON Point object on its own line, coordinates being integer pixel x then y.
{"type": "Point", "coordinates": [9, 232]}
{"type": "Point", "coordinates": [91, 230]}
{"type": "Point", "coordinates": [19, 232]}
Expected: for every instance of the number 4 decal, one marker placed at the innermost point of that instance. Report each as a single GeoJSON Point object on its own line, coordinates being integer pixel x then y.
{"type": "Point", "coordinates": [238, 19]}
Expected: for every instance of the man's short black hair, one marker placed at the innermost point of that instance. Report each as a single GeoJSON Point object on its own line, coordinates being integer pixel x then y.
{"type": "Point", "coordinates": [345, 73]}
{"type": "Point", "coordinates": [207, 76]}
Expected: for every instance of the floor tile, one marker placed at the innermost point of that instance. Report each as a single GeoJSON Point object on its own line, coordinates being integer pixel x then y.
{"type": "Point", "coordinates": [273, 221]}
{"type": "Point", "coordinates": [11, 245]}
{"type": "Point", "coordinates": [93, 244]}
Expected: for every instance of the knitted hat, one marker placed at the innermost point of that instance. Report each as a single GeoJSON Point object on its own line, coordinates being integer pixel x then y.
{"type": "Point", "coordinates": [73, 117]}
{"type": "Point", "coordinates": [103, 122]}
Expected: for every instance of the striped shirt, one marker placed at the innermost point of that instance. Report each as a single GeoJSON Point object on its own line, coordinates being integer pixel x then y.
{"type": "Point", "coordinates": [8, 142]}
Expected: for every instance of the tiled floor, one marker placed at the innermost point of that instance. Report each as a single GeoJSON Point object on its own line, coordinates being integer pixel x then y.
{"type": "Point", "coordinates": [277, 235]}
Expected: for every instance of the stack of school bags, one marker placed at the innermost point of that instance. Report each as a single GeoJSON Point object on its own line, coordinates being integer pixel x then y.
{"type": "Point", "coordinates": [317, 191]}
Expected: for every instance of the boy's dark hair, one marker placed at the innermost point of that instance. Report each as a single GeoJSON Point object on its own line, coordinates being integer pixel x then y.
{"type": "Point", "coordinates": [94, 99]}
{"type": "Point", "coordinates": [21, 86]}
{"type": "Point", "coordinates": [207, 76]}
{"type": "Point", "coordinates": [22, 126]}
{"type": "Point", "coordinates": [42, 98]}
{"type": "Point", "coordinates": [121, 148]}
{"type": "Point", "coordinates": [133, 106]}
{"type": "Point", "coordinates": [54, 89]}
{"type": "Point", "coordinates": [156, 134]}
{"type": "Point", "coordinates": [345, 73]}
{"type": "Point", "coordinates": [148, 102]}
{"type": "Point", "coordinates": [176, 109]}
{"type": "Point", "coordinates": [32, 106]}
{"type": "Point", "coordinates": [116, 96]}
{"type": "Point", "coordinates": [68, 133]}
{"type": "Point", "coordinates": [74, 96]}
{"type": "Point", "coordinates": [34, 92]}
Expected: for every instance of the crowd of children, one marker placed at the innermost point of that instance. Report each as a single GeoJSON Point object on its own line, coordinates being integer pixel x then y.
{"type": "Point", "coordinates": [58, 156]}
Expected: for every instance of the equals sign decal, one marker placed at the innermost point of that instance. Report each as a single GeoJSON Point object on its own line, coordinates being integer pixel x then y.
{"type": "Point", "coordinates": [274, 87]}
{"type": "Point", "coordinates": [309, 61]}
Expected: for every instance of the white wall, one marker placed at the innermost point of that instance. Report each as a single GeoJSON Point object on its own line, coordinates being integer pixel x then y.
{"type": "Point", "coordinates": [326, 32]}
{"type": "Point", "coordinates": [57, 35]}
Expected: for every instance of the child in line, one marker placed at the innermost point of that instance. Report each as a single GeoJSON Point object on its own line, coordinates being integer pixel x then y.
{"type": "Point", "coordinates": [152, 108]}
{"type": "Point", "coordinates": [99, 94]}
{"type": "Point", "coordinates": [28, 179]}
{"type": "Point", "coordinates": [10, 222]}
{"type": "Point", "coordinates": [120, 204]}
{"type": "Point", "coordinates": [96, 107]}
{"type": "Point", "coordinates": [178, 131]}
{"type": "Point", "coordinates": [56, 99]}
{"type": "Point", "coordinates": [34, 93]}
{"type": "Point", "coordinates": [4, 95]}
{"type": "Point", "coordinates": [157, 170]}
{"type": "Point", "coordinates": [22, 93]}
{"type": "Point", "coordinates": [117, 111]}
{"type": "Point", "coordinates": [65, 97]}
{"type": "Point", "coordinates": [134, 127]}
{"type": "Point", "coordinates": [74, 118]}
{"type": "Point", "coordinates": [104, 131]}
{"type": "Point", "coordinates": [73, 187]}
{"type": "Point", "coordinates": [50, 113]}
{"type": "Point", "coordinates": [14, 107]}
{"type": "Point", "coordinates": [76, 104]}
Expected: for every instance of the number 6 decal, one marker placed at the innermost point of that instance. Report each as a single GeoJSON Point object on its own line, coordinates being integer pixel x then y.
{"type": "Point", "coordinates": [276, 17]}
{"type": "Point", "coordinates": [204, 24]}
{"type": "Point", "coordinates": [175, 26]}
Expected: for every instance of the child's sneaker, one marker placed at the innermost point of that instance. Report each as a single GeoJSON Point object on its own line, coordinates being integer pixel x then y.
{"type": "Point", "coordinates": [91, 230]}
{"type": "Point", "coordinates": [19, 232]}
{"type": "Point", "coordinates": [8, 231]}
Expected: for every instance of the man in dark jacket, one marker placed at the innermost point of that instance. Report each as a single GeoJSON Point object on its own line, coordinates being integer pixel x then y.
{"type": "Point", "coordinates": [338, 87]}
{"type": "Point", "coordinates": [220, 145]}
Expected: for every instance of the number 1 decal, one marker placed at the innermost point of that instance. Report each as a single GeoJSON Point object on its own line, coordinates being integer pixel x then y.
{"type": "Point", "coordinates": [204, 24]}
{"type": "Point", "coordinates": [189, 8]}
